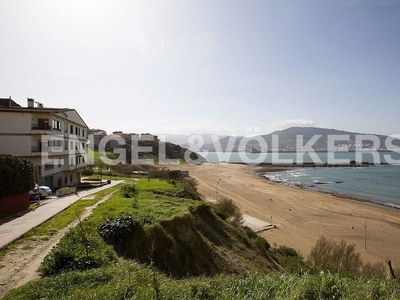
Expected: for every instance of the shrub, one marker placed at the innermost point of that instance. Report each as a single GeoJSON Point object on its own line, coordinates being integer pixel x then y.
{"type": "Point", "coordinates": [171, 181]}
{"type": "Point", "coordinates": [77, 250]}
{"type": "Point", "coordinates": [116, 231]}
{"type": "Point", "coordinates": [189, 189]}
{"type": "Point", "coordinates": [335, 256]}
{"type": "Point", "coordinates": [87, 172]}
{"type": "Point", "coordinates": [16, 175]}
{"type": "Point", "coordinates": [129, 191]}
{"type": "Point", "coordinates": [291, 260]}
{"type": "Point", "coordinates": [374, 270]}
{"type": "Point", "coordinates": [227, 210]}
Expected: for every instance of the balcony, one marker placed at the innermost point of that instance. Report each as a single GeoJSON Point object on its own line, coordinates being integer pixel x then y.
{"type": "Point", "coordinates": [41, 127]}
{"type": "Point", "coordinates": [36, 149]}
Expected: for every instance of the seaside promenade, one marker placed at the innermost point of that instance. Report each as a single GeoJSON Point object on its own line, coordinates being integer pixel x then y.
{"type": "Point", "coordinates": [16, 226]}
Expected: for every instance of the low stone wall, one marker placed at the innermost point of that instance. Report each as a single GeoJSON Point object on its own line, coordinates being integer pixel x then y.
{"type": "Point", "coordinates": [14, 203]}
{"type": "Point", "coordinates": [65, 191]}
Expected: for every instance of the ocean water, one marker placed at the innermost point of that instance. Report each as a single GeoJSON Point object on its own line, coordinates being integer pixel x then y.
{"type": "Point", "coordinates": [289, 158]}
{"type": "Point", "coordinates": [378, 183]}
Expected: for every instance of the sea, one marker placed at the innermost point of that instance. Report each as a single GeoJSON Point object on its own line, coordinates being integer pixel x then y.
{"type": "Point", "coordinates": [376, 178]}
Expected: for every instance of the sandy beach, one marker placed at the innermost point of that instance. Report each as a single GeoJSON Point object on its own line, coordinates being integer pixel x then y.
{"type": "Point", "coordinates": [302, 216]}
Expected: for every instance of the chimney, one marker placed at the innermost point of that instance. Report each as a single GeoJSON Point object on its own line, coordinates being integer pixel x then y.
{"type": "Point", "coordinates": [31, 102]}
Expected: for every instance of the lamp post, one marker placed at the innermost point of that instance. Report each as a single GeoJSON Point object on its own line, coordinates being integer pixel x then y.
{"type": "Point", "coordinates": [76, 173]}
{"type": "Point", "coordinates": [216, 190]}
{"type": "Point", "coordinates": [37, 181]}
{"type": "Point", "coordinates": [101, 175]}
{"type": "Point", "coordinates": [365, 236]}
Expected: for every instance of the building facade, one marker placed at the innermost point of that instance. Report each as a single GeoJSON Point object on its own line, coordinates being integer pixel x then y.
{"type": "Point", "coordinates": [53, 138]}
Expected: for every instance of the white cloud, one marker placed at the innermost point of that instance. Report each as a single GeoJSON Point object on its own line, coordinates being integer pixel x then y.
{"type": "Point", "coordinates": [295, 122]}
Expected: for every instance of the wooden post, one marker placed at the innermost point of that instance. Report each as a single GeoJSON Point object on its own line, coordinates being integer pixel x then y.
{"type": "Point", "coordinates": [392, 274]}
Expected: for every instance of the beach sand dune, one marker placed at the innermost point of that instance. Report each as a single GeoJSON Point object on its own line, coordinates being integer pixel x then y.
{"type": "Point", "coordinates": [302, 216]}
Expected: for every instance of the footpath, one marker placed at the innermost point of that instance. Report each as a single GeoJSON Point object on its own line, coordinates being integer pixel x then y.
{"type": "Point", "coordinates": [16, 227]}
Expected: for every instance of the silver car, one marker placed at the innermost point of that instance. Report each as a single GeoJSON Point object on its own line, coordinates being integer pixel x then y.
{"type": "Point", "coordinates": [43, 190]}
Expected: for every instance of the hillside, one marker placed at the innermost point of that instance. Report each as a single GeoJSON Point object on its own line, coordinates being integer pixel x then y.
{"type": "Point", "coordinates": [146, 242]}
{"type": "Point", "coordinates": [150, 222]}
{"type": "Point", "coordinates": [286, 140]}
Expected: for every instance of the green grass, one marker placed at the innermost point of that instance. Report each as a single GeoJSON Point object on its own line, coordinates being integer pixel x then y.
{"type": "Point", "coordinates": [130, 280]}
{"type": "Point", "coordinates": [153, 184]}
{"type": "Point", "coordinates": [67, 216]}
{"type": "Point", "coordinates": [47, 229]}
{"type": "Point", "coordinates": [165, 218]}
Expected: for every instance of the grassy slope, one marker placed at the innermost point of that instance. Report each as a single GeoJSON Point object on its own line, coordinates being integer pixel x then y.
{"type": "Point", "coordinates": [183, 236]}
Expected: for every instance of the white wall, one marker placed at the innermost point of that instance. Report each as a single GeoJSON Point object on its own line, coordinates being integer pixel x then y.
{"type": "Point", "coordinates": [19, 145]}
{"type": "Point", "coordinates": [16, 122]}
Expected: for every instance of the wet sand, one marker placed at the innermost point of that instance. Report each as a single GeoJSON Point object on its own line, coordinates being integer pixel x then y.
{"type": "Point", "coordinates": [301, 215]}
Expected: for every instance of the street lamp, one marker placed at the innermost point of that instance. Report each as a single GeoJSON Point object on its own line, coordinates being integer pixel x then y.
{"type": "Point", "coordinates": [101, 175]}
{"type": "Point", "coordinates": [76, 173]}
{"type": "Point", "coordinates": [365, 236]}
{"type": "Point", "coordinates": [37, 180]}
{"type": "Point", "coordinates": [216, 190]}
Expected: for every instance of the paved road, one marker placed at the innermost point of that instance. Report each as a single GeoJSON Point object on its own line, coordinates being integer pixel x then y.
{"type": "Point", "coordinates": [16, 227]}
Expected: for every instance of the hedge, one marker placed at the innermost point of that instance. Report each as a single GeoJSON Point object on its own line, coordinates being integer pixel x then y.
{"type": "Point", "coordinates": [16, 175]}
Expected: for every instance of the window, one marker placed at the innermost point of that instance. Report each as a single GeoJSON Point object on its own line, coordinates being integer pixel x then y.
{"type": "Point", "coordinates": [65, 127]}
{"type": "Point", "coordinates": [71, 130]}
{"type": "Point", "coordinates": [42, 124]}
{"type": "Point", "coordinates": [83, 132]}
{"type": "Point", "coordinates": [76, 130]}
{"type": "Point", "coordinates": [66, 144]}
{"type": "Point", "coordinates": [56, 125]}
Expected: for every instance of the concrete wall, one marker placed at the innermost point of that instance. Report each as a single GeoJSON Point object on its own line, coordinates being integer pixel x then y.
{"type": "Point", "coordinates": [17, 144]}
{"type": "Point", "coordinates": [18, 122]}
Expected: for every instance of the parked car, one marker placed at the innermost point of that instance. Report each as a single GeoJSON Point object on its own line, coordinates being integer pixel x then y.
{"type": "Point", "coordinates": [43, 190]}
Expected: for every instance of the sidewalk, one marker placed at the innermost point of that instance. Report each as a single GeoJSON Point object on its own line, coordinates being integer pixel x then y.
{"type": "Point", "coordinates": [15, 228]}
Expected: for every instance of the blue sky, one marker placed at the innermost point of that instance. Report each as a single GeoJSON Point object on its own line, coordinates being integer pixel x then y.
{"type": "Point", "coordinates": [225, 67]}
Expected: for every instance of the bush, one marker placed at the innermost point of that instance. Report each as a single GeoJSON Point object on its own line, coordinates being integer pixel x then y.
{"type": "Point", "coordinates": [335, 256]}
{"type": "Point", "coordinates": [291, 260]}
{"type": "Point", "coordinates": [77, 250]}
{"type": "Point", "coordinates": [129, 191]}
{"type": "Point", "coordinates": [189, 189]}
{"type": "Point", "coordinates": [16, 175]}
{"type": "Point", "coordinates": [87, 172]}
{"type": "Point", "coordinates": [227, 210]}
{"type": "Point", "coordinates": [116, 231]}
{"type": "Point", "coordinates": [374, 270]}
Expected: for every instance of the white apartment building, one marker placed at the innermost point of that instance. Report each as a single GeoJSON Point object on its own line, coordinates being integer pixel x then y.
{"type": "Point", "coordinates": [53, 138]}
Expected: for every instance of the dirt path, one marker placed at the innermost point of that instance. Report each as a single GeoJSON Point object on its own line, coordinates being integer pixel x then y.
{"type": "Point", "coordinates": [20, 265]}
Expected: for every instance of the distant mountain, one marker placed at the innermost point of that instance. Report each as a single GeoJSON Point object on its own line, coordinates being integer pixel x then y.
{"type": "Point", "coordinates": [286, 140]}
{"type": "Point", "coordinates": [183, 139]}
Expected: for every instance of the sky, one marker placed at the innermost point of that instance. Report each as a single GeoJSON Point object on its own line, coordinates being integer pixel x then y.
{"type": "Point", "coordinates": [222, 67]}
